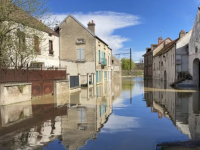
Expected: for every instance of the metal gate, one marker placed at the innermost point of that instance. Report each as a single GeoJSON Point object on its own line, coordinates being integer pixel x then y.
{"type": "Point", "coordinates": [74, 81]}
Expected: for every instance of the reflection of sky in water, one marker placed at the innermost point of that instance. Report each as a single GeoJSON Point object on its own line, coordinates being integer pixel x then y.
{"type": "Point", "coordinates": [132, 126]}
{"type": "Point", "coordinates": [54, 145]}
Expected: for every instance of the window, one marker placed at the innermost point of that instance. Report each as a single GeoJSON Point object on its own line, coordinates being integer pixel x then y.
{"type": "Point", "coordinates": [81, 55]}
{"type": "Point", "coordinates": [50, 47]}
{"type": "Point", "coordinates": [22, 40]}
{"type": "Point", "coordinates": [80, 41]}
{"type": "Point", "coordinates": [36, 44]}
{"type": "Point", "coordinates": [196, 49]}
{"type": "Point", "coordinates": [82, 115]}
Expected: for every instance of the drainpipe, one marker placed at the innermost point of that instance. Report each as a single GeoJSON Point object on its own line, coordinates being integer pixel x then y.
{"type": "Point", "coordinates": [95, 59]}
{"type": "Point", "coordinates": [175, 64]}
{"type": "Point", "coordinates": [59, 49]}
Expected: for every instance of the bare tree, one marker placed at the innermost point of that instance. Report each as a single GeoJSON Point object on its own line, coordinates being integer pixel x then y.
{"type": "Point", "coordinates": [21, 32]}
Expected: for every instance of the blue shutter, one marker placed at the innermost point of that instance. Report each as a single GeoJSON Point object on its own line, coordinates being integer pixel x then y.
{"type": "Point", "coordinates": [99, 56]}
{"type": "Point", "coordinates": [97, 77]}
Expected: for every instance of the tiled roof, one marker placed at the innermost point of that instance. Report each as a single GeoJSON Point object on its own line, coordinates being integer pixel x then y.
{"type": "Point", "coordinates": [166, 48]}
{"type": "Point", "coordinates": [83, 27]}
{"type": "Point", "coordinates": [162, 42]}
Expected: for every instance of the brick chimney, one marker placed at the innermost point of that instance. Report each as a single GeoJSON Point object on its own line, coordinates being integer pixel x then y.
{"type": "Point", "coordinates": [160, 40]}
{"type": "Point", "coordinates": [182, 34]}
{"type": "Point", "coordinates": [91, 26]}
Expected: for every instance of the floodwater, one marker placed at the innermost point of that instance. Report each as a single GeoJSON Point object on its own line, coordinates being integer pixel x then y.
{"type": "Point", "coordinates": [127, 114]}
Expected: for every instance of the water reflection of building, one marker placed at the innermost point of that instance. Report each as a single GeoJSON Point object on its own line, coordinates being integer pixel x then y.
{"type": "Point", "coordinates": [183, 107]}
{"type": "Point", "coordinates": [42, 125]}
{"type": "Point", "coordinates": [73, 120]}
{"type": "Point", "coordinates": [86, 115]}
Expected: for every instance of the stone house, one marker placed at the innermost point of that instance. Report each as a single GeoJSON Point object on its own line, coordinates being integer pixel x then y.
{"type": "Point", "coordinates": [194, 51]}
{"type": "Point", "coordinates": [82, 52]}
{"type": "Point", "coordinates": [157, 60]}
{"type": "Point", "coordinates": [173, 58]}
{"type": "Point", "coordinates": [116, 68]}
{"type": "Point", "coordinates": [148, 61]}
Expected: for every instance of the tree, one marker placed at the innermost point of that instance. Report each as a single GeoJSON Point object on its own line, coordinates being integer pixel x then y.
{"type": "Point", "coordinates": [126, 64]}
{"type": "Point", "coordinates": [21, 31]}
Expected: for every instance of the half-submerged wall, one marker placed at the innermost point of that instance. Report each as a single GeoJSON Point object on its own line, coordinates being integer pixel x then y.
{"type": "Point", "coordinates": [15, 93]}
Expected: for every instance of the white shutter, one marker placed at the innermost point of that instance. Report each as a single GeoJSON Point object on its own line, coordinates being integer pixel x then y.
{"type": "Point", "coordinates": [82, 54]}
{"type": "Point", "coordinates": [79, 54]}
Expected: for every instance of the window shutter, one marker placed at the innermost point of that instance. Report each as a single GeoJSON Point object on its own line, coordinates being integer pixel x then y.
{"type": "Point", "coordinates": [82, 54]}
{"type": "Point", "coordinates": [79, 54]}
{"type": "Point", "coordinates": [99, 55]}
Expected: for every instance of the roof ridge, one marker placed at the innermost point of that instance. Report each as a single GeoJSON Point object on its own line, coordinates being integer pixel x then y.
{"type": "Point", "coordinates": [70, 15]}
{"type": "Point", "coordinates": [162, 42]}
{"type": "Point", "coordinates": [94, 35]}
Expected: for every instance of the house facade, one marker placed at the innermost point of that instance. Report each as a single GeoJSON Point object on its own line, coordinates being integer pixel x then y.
{"type": "Point", "coordinates": [157, 60]}
{"type": "Point", "coordinates": [82, 52]}
{"type": "Point", "coordinates": [48, 53]}
{"type": "Point", "coordinates": [194, 52]}
{"type": "Point", "coordinates": [172, 60]}
{"type": "Point", "coordinates": [148, 62]}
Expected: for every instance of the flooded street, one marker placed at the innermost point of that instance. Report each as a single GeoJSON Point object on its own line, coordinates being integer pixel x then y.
{"type": "Point", "coordinates": [131, 114]}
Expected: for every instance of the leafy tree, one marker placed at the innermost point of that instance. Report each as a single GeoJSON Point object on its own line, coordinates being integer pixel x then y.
{"type": "Point", "coordinates": [20, 30]}
{"type": "Point", "coordinates": [126, 64]}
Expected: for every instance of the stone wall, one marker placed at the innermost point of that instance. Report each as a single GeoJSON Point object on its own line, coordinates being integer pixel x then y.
{"type": "Point", "coordinates": [15, 112]}
{"type": "Point", "coordinates": [74, 68]}
{"type": "Point", "coordinates": [61, 92]}
{"type": "Point", "coordinates": [15, 93]}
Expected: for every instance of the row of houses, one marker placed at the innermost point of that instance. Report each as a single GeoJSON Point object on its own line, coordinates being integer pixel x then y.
{"type": "Point", "coordinates": [69, 45]}
{"type": "Point", "coordinates": [175, 61]}
{"type": "Point", "coordinates": [78, 49]}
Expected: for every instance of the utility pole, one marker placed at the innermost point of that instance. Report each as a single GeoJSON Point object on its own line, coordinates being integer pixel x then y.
{"type": "Point", "coordinates": [130, 61]}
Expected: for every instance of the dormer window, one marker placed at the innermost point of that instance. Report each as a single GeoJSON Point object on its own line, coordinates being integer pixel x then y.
{"type": "Point", "coordinates": [80, 41]}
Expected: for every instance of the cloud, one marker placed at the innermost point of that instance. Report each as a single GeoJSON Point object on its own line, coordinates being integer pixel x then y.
{"type": "Point", "coordinates": [197, 1]}
{"type": "Point", "coordinates": [125, 124]}
{"type": "Point", "coordinates": [106, 23]}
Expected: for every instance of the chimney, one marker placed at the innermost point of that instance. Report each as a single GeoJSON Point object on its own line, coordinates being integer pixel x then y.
{"type": "Point", "coordinates": [91, 26]}
{"type": "Point", "coordinates": [182, 34]}
{"type": "Point", "coordinates": [159, 40]}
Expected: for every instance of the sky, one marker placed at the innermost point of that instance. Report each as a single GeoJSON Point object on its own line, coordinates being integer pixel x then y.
{"type": "Point", "coordinates": [135, 24]}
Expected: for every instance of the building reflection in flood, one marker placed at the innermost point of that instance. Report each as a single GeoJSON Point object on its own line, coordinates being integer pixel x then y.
{"type": "Point", "coordinates": [35, 123]}
{"type": "Point", "coordinates": [73, 120]}
{"type": "Point", "coordinates": [181, 106]}
{"type": "Point", "coordinates": [88, 111]}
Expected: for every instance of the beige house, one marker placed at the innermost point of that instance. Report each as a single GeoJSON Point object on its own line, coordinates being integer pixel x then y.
{"type": "Point", "coordinates": [82, 52]}
{"type": "Point", "coordinates": [157, 60]}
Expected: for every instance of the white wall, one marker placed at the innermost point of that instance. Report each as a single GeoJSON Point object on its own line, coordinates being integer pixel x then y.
{"type": "Point", "coordinates": [49, 60]}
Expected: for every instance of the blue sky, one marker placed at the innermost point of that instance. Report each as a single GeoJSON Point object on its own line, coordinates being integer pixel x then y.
{"type": "Point", "coordinates": [135, 24]}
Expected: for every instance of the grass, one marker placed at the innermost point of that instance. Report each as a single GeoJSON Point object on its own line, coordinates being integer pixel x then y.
{"type": "Point", "coordinates": [132, 73]}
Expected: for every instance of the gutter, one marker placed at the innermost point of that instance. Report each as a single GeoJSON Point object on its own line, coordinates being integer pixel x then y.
{"type": "Point", "coordinates": [175, 62]}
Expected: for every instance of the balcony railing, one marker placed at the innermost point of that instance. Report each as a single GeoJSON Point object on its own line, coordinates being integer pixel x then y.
{"type": "Point", "coordinates": [104, 62]}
